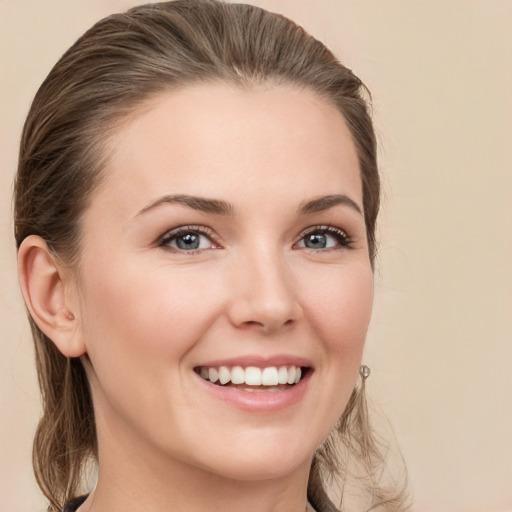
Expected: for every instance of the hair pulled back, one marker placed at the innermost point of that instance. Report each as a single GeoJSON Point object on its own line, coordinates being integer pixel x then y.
{"type": "Point", "coordinates": [119, 63]}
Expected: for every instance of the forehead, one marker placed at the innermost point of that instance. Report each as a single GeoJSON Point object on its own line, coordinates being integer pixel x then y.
{"type": "Point", "coordinates": [216, 140]}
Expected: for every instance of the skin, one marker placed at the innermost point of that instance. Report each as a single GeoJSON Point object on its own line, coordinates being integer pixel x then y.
{"type": "Point", "coordinates": [146, 315]}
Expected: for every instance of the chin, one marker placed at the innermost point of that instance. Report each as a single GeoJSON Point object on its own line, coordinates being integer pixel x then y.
{"type": "Point", "coordinates": [249, 469]}
{"type": "Point", "coordinates": [269, 457]}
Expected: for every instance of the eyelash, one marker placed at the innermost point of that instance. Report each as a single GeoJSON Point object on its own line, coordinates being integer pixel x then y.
{"type": "Point", "coordinates": [341, 237]}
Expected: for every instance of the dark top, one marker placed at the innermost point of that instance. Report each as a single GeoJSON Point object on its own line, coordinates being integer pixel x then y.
{"type": "Point", "coordinates": [73, 504]}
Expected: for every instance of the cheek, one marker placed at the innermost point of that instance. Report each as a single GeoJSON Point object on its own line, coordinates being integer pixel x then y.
{"type": "Point", "coordinates": [339, 307]}
{"type": "Point", "coordinates": [341, 315]}
{"type": "Point", "coordinates": [342, 306]}
{"type": "Point", "coordinates": [142, 318]}
{"type": "Point", "coordinates": [142, 323]}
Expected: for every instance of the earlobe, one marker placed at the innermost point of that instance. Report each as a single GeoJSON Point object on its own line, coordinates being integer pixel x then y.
{"type": "Point", "coordinates": [46, 293]}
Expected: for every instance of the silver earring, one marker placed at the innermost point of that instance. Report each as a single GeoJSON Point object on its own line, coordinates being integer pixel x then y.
{"type": "Point", "coordinates": [364, 371]}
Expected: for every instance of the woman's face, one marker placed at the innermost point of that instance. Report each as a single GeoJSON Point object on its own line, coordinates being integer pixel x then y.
{"type": "Point", "coordinates": [226, 239]}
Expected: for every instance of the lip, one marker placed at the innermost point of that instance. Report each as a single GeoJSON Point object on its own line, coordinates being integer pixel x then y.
{"type": "Point", "coordinates": [257, 401]}
{"type": "Point", "coordinates": [259, 361]}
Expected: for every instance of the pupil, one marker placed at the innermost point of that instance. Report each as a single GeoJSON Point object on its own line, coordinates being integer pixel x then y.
{"type": "Point", "coordinates": [188, 241]}
{"type": "Point", "coordinates": [316, 240]}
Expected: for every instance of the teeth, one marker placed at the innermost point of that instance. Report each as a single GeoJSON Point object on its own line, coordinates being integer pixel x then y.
{"type": "Point", "coordinates": [269, 376]}
{"type": "Point", "coordinates": [282, 375]}
{"type": "Point", "coordinates": [292, 372]}
{"type": "Point", "coordinates": [237, 375]}
{"type": "Point", "coordinates": [224, 375]}
{"type": "Point", "coordinates": [213, 375]}
{"type": "Point", "coordinates": [252, 375]}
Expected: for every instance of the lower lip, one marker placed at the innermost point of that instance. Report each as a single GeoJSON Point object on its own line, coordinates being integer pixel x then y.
{"type": "Point", "coordinates": [258, 401]}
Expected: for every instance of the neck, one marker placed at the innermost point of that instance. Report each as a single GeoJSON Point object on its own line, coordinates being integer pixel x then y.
{"type": "Point", "coordinates": [180, 492]}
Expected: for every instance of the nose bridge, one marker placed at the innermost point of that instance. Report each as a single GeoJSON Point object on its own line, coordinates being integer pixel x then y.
{"type": "Point", "coordinates": [264, 293]}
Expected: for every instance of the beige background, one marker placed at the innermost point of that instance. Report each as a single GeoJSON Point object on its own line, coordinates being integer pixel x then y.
{"type": "Point", "coordinates": [440, 344]}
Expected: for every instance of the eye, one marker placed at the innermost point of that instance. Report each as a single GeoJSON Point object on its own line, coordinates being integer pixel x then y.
{"type": "Point", "coordinates": [323, 237]}
{"type": "Point", "coordinates": [188, 239]}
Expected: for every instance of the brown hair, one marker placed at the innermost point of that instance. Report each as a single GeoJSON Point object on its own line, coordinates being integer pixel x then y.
{"type": "Point", "coordinates": [121, 61]}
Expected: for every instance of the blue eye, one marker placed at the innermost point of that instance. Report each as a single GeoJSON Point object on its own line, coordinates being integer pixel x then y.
{"type": "Point", "coordinates": [187, 239]}
{"type": "Point", "coordinates": [324, 237]}
{"type": "Point", "coordinates": [316, 241]}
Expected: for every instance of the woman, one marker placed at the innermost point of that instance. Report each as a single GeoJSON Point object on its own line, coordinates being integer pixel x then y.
{"type": "Point", "coordinates": [195, 213]}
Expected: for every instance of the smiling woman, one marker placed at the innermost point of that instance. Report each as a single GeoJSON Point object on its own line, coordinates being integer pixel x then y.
{"type": "Point", "coordinates": [195, 213]}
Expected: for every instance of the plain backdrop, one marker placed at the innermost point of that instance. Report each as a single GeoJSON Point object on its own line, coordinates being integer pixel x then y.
{"type": "Point", "coordinates": [440, 343]}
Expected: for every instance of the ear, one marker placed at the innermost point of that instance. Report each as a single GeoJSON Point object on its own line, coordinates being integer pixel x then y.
{"type": "Point", "coordinates": [48, 292]}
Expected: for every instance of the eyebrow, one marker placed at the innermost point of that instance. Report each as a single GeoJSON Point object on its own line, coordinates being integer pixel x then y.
{"type": "Point", "coordinates": [202, 204]}
{"type": "Point", "coordinates": [325, 202]}
{"type": "Point", "coordinates": [219, 207]}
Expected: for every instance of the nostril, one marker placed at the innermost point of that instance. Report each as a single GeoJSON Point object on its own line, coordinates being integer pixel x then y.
{"type": "Point", "coordinates": [268, 326]}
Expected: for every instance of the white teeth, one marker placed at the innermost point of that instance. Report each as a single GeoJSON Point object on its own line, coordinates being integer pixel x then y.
{"type": "Point", "coordinates": [282, 375]}
{"type": "Point", "coordinates": [269, 376]}
{"type": "Point", "coordinates": [213, 375]}
{"type": "Point", "coordinates": [224, 375]}
{"type": "Point", "coordinates": [292, 372]}
{"type": "Point", "coordinates": [237, 375]}
{"type": "Point", "coordinates": [252, 375]}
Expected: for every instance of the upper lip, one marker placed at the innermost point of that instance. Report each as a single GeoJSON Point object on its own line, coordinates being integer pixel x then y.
{"type": "Point", "coordinates": [259, 361]}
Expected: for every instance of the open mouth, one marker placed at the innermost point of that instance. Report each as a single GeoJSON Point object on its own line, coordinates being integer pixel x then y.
{"type": "Point", "coordinates": [252, 378]}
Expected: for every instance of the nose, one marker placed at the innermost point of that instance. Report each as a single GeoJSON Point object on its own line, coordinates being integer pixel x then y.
{"type": "Point", "coordinates": [264, 295]}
